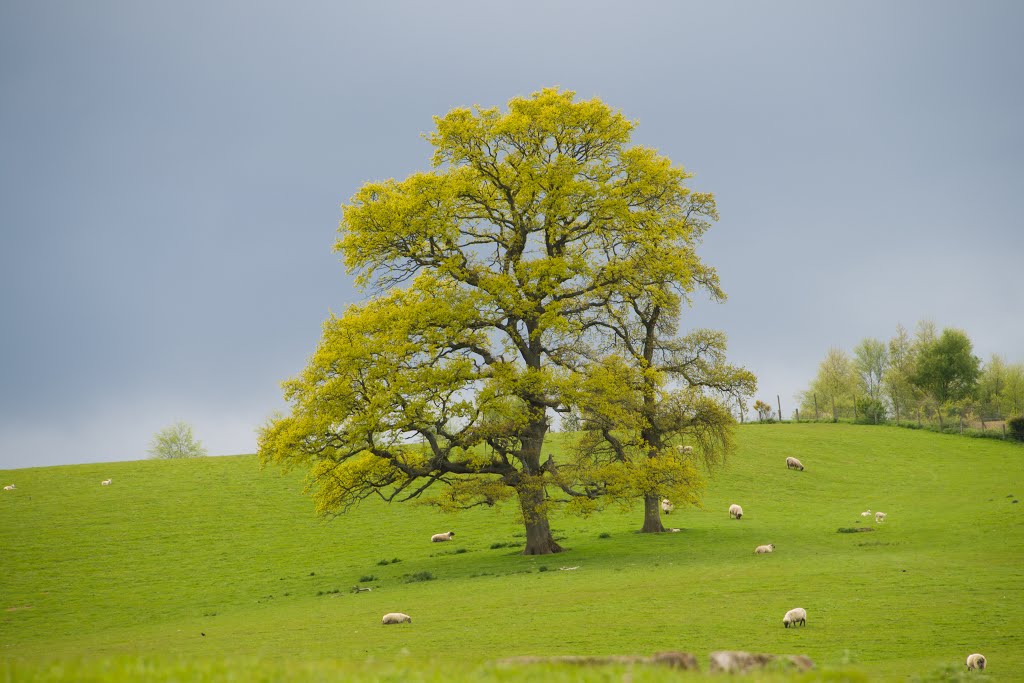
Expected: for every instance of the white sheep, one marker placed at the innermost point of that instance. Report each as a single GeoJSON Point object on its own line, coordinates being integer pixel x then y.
{"type": "Point", "coordinates": [667, 506]}
{"type": "Point", "coordinates": [975, 661]}
{"type": "Point", "coordinates": [762, 549]}
{"type": "Point", "coordinates": [9, 488]}
{"type": "Point", "coordinates": [395, 618]}
{"type": "Point", "coordinates": [106, 482]}
{"type": "Point", "coordinates": [794, 464]}
{"type": "Point", "coordinates": [866, 513]}
{"type": "Point", "coordinates": [879, 517]}
{"type": "Point", "coordinates": [797, 615]}
{"type": "Point", "coordinates": [687, 449]}
{"type": "Point", "coordinates": [438, 538]}
{"type": "Point", "coordinates": [735, 511]}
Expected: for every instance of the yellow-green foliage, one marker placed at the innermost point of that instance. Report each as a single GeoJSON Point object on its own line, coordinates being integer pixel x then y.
{"type": "Point", "coordinates": [492, 272]}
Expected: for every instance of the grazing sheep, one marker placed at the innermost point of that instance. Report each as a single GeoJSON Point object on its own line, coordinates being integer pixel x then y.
{"type": "Point", "coordinates": [975, 661]}
{"type": "Point", "coordinates": [9, 488]}
{"type": "Point", "coordinates": [797, 615]}
{"type": "Point", "coordinates": [762, 549]}
{"type": "Point", "coordinates": [667, 506]}
{"type": "Point", "coordinates": [106, 482]}
{"type": "Point", "coordinates": [395, 618]}
{"type": "Point", "coordinates": [437, 538]}
{"type": "Point", "coordinates": [735, 511]}
{"type": "Point", "coordinates": [866, 513]}
{"type": "Point", "coordinates": [879, 516]}
{"type": "Point", "coordinates": [687, 449]}
{"type": "Point", "coordinates": [794, 464]}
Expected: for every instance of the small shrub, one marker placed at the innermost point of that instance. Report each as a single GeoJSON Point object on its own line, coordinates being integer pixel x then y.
{"type": "Point", "coordinates": [495, 546]}
{"type": "Point", "coordinates": [542, 568]}
{"type": "Point", "coordinates": [764, 412]}
{"type": "Point", "coordinates": [459, 551]}
{"type": "Point", "coordinates": [419, 576]}
{"type": "Point", "coordinates": [853, 530]}
{"type": "Point", "coordinates": [1015, 425]}
{"type": "Point", "coordinates": [367, 578]}
{"type": "Point", "coordinates": [870, 411]}
{"type": "Point", "coordinates": [604, 534]}
{"type": "Point", "coordinates": [386, 562]}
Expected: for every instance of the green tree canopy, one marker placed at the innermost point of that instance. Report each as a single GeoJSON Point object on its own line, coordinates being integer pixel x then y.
{"type": "Point", "coordinates": [946, 369]}
{"type": "Point", "coordinates": [834, 387]}
{"type": "Point", "coordinates": [488, 272]}
{"type": "Point", "coordinates": [896, 381]}
{"type": "Point", "coordinates": [176, 441]}
{"type": "Point", "coordinates": [870, 360]}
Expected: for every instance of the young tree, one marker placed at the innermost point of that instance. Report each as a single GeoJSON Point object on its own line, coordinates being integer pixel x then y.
{"type": "Point", "coordinates": [176, 441]}
{"type": "Point", "coordinates": [833, 385]}
{"type": "Point", "coordinates": [497, 260]}
{"type": "Point", "coordinates": [946, 369]}
{"type": "Point", "coordinates": [896, 381]}
{"type": "Point", "coordinates": [658, 392]}
{"type": "Point", "coordinates": [764, 411]}
{"type": "Point", "coordinates": [992, 385]}
{"type": "Point", "coordinates": [870, 359]}
{"type": "Point", "coordinates": [1011, 401]}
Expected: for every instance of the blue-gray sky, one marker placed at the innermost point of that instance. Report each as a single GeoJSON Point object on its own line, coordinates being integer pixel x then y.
{"type": "Point", "coordinates": [171, 175]}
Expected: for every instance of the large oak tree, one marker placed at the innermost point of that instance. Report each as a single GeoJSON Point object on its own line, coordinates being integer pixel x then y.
{"type": "Point", "coordinates": [485, 275]}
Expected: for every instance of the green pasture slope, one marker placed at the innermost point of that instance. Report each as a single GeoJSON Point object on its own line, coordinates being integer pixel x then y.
{"type": "Point", "coordinates": [121, 582]}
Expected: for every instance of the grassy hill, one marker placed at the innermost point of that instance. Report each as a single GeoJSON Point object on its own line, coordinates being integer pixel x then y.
{"type": "Point", "coordinates": [197, 569]}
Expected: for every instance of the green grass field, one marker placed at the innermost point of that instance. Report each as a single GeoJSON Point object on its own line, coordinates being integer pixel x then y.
{"type": "Point", "coordinates": [121, 582]}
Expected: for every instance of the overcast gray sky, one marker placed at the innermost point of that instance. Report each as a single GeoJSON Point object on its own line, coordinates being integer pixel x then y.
{"type": "Point", "coordinates": [171, 175]}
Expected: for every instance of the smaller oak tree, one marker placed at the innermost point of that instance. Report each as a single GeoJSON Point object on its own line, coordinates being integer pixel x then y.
{"type": "Point", "coordinates": [176, 441]}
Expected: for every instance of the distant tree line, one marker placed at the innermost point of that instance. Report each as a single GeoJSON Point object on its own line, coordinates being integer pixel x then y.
{"type": "Point", "coordinates": [929, 376]}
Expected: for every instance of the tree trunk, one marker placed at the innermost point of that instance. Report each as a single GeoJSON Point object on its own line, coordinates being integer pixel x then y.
{"type": "Point", "coordinates": [535, 516]}
{"type": "Point", "coordinates": [652, 515]}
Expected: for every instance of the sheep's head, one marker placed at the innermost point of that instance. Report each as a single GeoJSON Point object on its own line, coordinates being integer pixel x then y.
{"type": "Point", "coordinates": [981, 662]}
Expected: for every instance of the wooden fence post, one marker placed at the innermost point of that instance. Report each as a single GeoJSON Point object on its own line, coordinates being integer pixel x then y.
{"type": "Point", "coordinates": [780, 406]}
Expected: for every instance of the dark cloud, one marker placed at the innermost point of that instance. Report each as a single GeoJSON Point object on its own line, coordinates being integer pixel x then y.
{"type": "Point", "coordinates": [171, 176]}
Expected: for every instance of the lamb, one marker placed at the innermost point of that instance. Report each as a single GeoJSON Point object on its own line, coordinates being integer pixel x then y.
{"type": "Point", "coordinates": [794, 464]}
{"type": "Point", "coordinates": [762, 549]}
{"type": "Point", "coordinates": [438, 538]}
{"type": "Point", "coordinates": [9, 488]}
{"type": "Point", "coordinates": [879, 517]}
{"type": "Point", "coordinates": [395, 618]}
{"type": "Point", "coordinates": [735, 511]}
{"type": "Point", "coordinates": [866, 513]}
{"type": "Point", "coordinates": [975, 661]}
{"type": "Point", "coordinates": [797, 615]}
{"type": "Point", "coordinates": [106, 482]}
{"type": "Point", "coordinates": [667, 506]}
